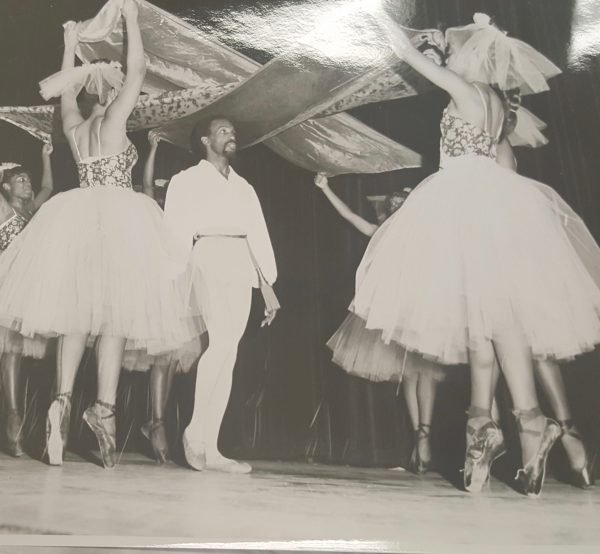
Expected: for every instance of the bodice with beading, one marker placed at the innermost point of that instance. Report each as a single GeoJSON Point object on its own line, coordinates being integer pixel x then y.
{"type": "Point", "coordinates": [111, 171]}
{"type": "Point", "coordinates": [460, 138]}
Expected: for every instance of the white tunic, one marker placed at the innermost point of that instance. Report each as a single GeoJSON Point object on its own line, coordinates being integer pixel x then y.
{"type": "Point", "coordinates": [202, 202]}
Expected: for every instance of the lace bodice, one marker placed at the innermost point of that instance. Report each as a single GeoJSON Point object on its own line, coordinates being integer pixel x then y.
{"type": "Point", "coordinates": [459, 138]}
{"type": "Point", "coordinates": [10, 229]}
{"type": "Point", "coordinates": [111, 171]}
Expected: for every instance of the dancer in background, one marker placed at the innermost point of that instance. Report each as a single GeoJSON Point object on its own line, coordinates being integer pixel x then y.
{"type": "Point", "coordinates": [547, 371]}
{"type": "Point", "coordinates": [419, 381]}
{"type": "Point", "coordinates": [18, 203]}
{"type": "Point", "coordinates": [163, 368]}
{"type": "Point", "coordinates": [78, 271]}
{"type": "Point", "coordinates": [495, 269]}
{"type": "Point", "coordinates": [219, 231]}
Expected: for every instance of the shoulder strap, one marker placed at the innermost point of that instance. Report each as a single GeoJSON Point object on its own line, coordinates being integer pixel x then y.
{"type": "Point", "coordinates": [485, 108]}
{"type": "Point", "coordinates": [75, 143]}
{"type": "Point", "coordinates": [99, 146]}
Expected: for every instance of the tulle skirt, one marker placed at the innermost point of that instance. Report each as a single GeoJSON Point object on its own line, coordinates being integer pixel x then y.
{"type": "Point", "coordinates": [95, 261]}
{"type": "Point", "coordinates": [476, 253]}
{"type": "Point", "coordinates": [362, 352]}
{"type": "Point", "coordinates": [12, 342]}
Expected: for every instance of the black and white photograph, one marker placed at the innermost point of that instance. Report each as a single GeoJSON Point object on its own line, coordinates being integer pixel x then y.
{"type": "Point", "coordinates": [299, 276]}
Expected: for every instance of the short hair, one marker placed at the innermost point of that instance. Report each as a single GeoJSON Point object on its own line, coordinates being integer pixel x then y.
{"type": "Point", "coordinates": [202, 129]}
{"type": "Point", "coordinates": [8, 174]}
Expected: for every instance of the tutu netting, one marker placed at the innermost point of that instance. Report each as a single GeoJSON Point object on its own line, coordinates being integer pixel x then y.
{"type": "Point", "coordinates": [12, 342]}
{"type": "Point", "coordinates": [476, 253]}
{"type": "Point", "coordinates": [95, 261]}
{"type": "Point", "coordinates": [360, 351]}
{"type": "Point", "coordinates": [189, 290]}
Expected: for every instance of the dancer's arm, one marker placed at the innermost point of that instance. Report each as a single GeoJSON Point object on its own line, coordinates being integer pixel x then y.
{"type": "Point", "coordinates": [460, 90]}
{"type": "Point", "coordinates": [148, 185]}
{"type": "Point", "coordinates": [47, 186]}
{"type": "Point", "coordinates": [120, 109]}
{"type": "Point", "coordinates": [69, 110]}
{"type": "Point", "coordinates": [361, 224]}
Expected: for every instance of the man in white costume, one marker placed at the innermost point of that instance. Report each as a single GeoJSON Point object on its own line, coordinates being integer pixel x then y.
{"type": "Point", "coordinates": [220, 233]}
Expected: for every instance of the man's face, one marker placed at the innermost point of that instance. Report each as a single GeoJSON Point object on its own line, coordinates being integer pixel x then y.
{"type": "Point", "coordinates": [19, 186]}
{"type": "Point", "coordinates": [221, 138]}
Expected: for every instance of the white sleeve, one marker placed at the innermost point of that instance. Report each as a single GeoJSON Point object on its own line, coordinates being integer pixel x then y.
{"type": "Point", "coordinates": [258, 238]}
{"type": "Point", "coordinates": [179, 220]}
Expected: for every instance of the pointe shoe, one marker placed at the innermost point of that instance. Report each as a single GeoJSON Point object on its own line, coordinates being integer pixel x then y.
{"type": "Point", "coordinates": [418, 465]}
{"type": "Point", "coordinates": [484, 446]}
{"type": "Point", "coordinates": [14, 428]}
{"type": "Point", "coordinates": [226, 465]}
{"type": "Point", "coordinates": [103, 426]}
{"type": "Point", "coordinates": [57, 428]}
{"type": "Point", "coordinates": [531, 476]}
{"type": "Point", "coordinates": [196, 460]}
{"type": "Point", "coordinates": [580, 476]}
{"type": "Point", "coordinates": [155, 432]}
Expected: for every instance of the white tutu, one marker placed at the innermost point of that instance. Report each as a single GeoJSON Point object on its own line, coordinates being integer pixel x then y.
{"type": "Point", "coordinates": [360, 351]}
{"type": "Point", "coordinates": [95, 261]}
{"type": "Point", "coordinates": [475, 252]}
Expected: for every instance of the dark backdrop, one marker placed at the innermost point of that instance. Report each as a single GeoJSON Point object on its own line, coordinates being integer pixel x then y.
{"type": "Point", "coordinates": [289, 401]}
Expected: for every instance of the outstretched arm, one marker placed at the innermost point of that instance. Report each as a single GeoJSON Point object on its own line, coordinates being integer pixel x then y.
{"type": "Point", "coordinates": [70, 114]}
{"type": "Point", "coordinates": [47, 187]}
{"type": "Point", "coordinates": [120, 109]}
{"type": "Point", "coordinates": [148, 185]}
{"type": "Point", "coordinates": [459, 89]}
{"type": "Point", "coordinates": [358, 222]}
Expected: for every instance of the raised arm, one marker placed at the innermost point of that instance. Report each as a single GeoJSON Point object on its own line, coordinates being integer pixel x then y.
{"type": "Point", "coordinates": [70, 114]}
{"type": "Point", "coordinates": [459, 89]}
{"type": "Point", "coordinates": [120, 109]}
{"type": "Point", "coordinates": [358, 222]}
{"type": "Point", "coordinates": [148, 185]}
{"type": "Point", "coordinates": [47, 186]}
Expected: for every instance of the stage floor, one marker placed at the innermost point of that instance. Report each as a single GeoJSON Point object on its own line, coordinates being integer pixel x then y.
{"type": "Point", "coordinates": [142, 503]}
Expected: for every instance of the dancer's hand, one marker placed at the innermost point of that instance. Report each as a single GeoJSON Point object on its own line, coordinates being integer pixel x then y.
{"type": "Point", "coordinates": [71, 34]}
{"type": "Point", "coordinates": [130, 9]}
{"type": "Point", "coordinates": [434, 38]}
{"type": "Point", "coordinates": [47, 149]}
{"type": "Point", "coordinates": [270, 316]}
{"type": "Point", "coordinates": [321, 180]}
{"type": "Point", "coordinates": [154, 137]}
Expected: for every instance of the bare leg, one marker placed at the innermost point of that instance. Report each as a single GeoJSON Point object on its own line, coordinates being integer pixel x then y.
{"type": "Point", "coordinates": [68, 357]}
{"type": "Point", "coordinates": [161, 379]}
{"type": "Point", "coordinates": [537, 433]}
{"type": "Point", "coordinates": [485, 442]}
{"type": "Point", "coordinates": [495, 378]}
{"type": "Point", "coordinates": [10, 369]}
{"type": "Point", "coordinates": [409, 388]}
{"type": "Point", "coordinates": [426, 391]}
{"type": "Point", "coordinates": [549, 374]}
{"type": "Point", "coordinates": [101, 416]}
{"type": "Point", "coordinates": [69, 352]}
{"type": "Point", "coordinates": [484, 377]}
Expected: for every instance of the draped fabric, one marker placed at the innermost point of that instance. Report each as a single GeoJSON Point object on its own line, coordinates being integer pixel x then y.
{"type": "Point", "coordinates": [292, 104]}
